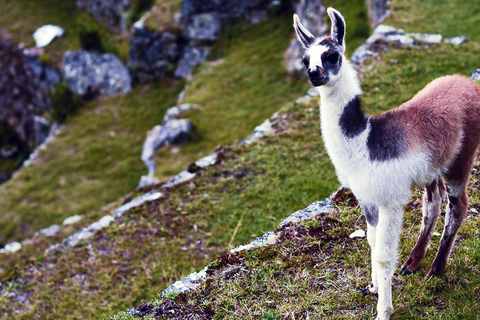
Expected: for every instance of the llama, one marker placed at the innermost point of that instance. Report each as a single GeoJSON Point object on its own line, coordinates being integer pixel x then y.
{"type": "Point", "coordinates": [430, 141]}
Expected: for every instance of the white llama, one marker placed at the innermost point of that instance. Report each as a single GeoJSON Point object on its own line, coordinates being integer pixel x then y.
{"type": "Point", "coordinates": [428, 140]}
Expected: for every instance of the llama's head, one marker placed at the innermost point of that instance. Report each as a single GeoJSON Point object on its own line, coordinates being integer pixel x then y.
{"type": "Point", "coordinates": [323, 56]}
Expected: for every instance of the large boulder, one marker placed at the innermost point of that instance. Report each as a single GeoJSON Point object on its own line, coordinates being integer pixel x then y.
{"type": "Point", "coordinates": [175, 49]}
{"type": "Point", "coordinates": [152, 55]}
{"type": "Point", "coordinates": [111, 13]}
{"type": "Point", "coordinates": [89, 73]}
{"type": "Point", "coordinates": [25, 86]}
{"type": "Point", "coordinates": [311, 13]}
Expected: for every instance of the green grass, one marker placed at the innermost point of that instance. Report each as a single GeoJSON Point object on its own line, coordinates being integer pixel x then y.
{"type": "Point", "coordinates": [249, 193]}
{"type": "Point", "coordinates": [322, 276]}
{"type": "Point", "coordinates": [20, 18]}
{"type": "Point", "coordinates": [450, 18]}
{"type": "Point", "coordinates": [94, 160]}
{"type": "Point", "coordinates": [74, 167]}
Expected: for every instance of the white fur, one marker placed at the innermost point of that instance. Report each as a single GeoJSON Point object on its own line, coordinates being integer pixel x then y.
{"type": "Point", "coordinates": [385, 184]}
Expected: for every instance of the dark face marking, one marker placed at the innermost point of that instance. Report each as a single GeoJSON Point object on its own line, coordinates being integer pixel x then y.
{"type": "Point", "coordinates": [371, 213]}
{"type": "Point", "coordinates": [386, 139]}
{"type": "Point", "coordinates": [331, 61]}
{"type": "Point", "coordinates": [352, 121]}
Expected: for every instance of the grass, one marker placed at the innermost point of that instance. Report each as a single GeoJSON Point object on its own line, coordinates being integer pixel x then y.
{"type": "Point", "coordinates": [250, 191]}
{"type": "Point", "coordinates": [13, 21]}
{"type": "Point", "coordinates": [450, 18]}
{"type": "Point", "coordinates": [74, 167]}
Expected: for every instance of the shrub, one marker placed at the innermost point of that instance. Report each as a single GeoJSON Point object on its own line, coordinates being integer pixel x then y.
{"type": "Point", "coordinates": [64, 103]}
{"type": "Point", "coordinates": [94, 37]}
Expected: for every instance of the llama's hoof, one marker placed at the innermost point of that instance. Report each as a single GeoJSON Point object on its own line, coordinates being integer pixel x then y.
{"type": "Point", "coordinates": [405, 271]}
{"type": "Point", "coordinates": [370, 289]}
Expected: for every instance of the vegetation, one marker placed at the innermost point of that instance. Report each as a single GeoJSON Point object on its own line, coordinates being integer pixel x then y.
{"type": "Point", "coordinates": [64, 103]}
{"type": "Point", "coordinates": [314, 269]}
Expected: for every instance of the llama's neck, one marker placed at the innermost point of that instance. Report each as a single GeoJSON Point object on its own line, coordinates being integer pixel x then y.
{"type": "Point", "coordinates": [343, 123]}
{"type": "Point", "coordinates": [335, 96]}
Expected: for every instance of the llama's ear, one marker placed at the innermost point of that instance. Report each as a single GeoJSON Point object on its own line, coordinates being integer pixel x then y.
{"type": "Point", "coordinates": [305, 37]}
{"type": "Point", "coordinates": [338, 27]}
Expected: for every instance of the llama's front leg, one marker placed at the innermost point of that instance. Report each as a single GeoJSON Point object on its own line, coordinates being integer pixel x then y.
{"type": "Point", "coordinates": [385, 256]}
{"type": "Point", "coordinates": [371, 214]}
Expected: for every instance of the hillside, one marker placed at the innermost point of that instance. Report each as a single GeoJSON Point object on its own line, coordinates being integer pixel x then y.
{"type": "Point", "coordinates": [246, 194]}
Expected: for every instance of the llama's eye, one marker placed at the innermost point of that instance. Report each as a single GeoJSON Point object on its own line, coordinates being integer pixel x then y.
{"type": "Point", "coordinates": [305, 61]}
{"type": "Point", "coordinates": [332, 58]}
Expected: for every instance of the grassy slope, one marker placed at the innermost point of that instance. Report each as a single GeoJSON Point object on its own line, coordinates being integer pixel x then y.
{"type": "Point", "coordinates": [159, 243]}
{"type": "Point", "coordinates": [74, 167]}
{"type": "Point", "coordinates": [283, 282]}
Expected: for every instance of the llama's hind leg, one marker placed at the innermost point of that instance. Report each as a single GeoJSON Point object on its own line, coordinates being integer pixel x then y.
{"type": "Point", "coordinates": [455, 213]}
{"type": "Point", "coordinates": [432, 206]}
{"type": "Point", "coordinates": [371, 213]}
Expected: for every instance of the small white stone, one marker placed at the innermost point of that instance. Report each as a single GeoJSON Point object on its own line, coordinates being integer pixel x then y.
{"type": "Point", "coordinates": [436, 234]}
{"type": "Point", "coordinates": [358, 234]}
{"type": "Point", "coordinates": [50, 231]}
{"type": "Point", "coordinates": [11, 247]}
{"type": "Point", "coordinates": [72, 220]}
{"type": "Point", "coordinates": [44, 35]}
{"type": "Point", "coordinates": [473, 210]}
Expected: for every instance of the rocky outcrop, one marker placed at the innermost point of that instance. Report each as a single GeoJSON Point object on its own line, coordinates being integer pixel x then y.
{"type": "Point", "coordinates": [311, 13]}
{"type": "Point", "coordinates": [152, 55]}
{"type": "Point", "coordinates": [172, 131]}
{"type": "Point", "coordinates": [25, 86]}
{"type": "Point", "coordinates": [89, 73]}
{"type": "Point", "coordinates": [111, 13]}
{"type": "Point", "coordinates": [377, 11]}
{"type": "Point", "coordinates": [176, 49]}
{"type": "Point", "coordinates": [388, 34]}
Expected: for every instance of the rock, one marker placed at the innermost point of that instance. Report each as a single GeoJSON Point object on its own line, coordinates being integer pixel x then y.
{"type": "Point", "coordinates": [229, 11]}
{"type": "Point", "coordinates": [476, 75]}
{"type": "Point", "coordinates": [11, 247]}
{"type": "Point", "coordinates": [360, 54]}
{"type": "Point", "coordinates": [427, 37]}
{"type": "Point", "coordinates": [45, 34]}
{"type": "Point", "coordinates": [203, 27]}
{"type": "Point", "coordinates": [456, 40]}
{"type": "Point", "coordinates": [56, 248]}
{"type": "Point", "coordinates": [176, 111]}
{"type": "Point", "coordinates": [258, 242]}
{"type": "Point", "coordinates": [112, 13]}
{"type": "Point", "coordinates": [25, 86]}
{"type": "Point", "coordinates": [152, 55]}
{"type": "Point", "coordinates": [179, 178]}
{"type": "Point", "coordinates": [309, 212]}
{"type": "Point", "coordinates": [389, 34]}
{"type": "Point", "coordinates": [89, 73]}
{"type": "Point", "coordinates": [377, 11]}
{"type": "Point", "coordinates": [312, 92]}
{"type": "Point", "coordinates": [189, 283]}
{"type": "Point", "coordinates": [149, 196]}
{"type": "Point", "coordinates": [88, 232]}
{"type": "Point", "coordinates": [173, 131]}
{"type": "Point", "coordinates": [207, 161]}
{"type": "Point", "coordinates": [311, 13]}
{"type": "Point", "coordinates": [42, 129]}
{"type": "Point", "coordinates": [191, 57]}
{"type": "Point", "coordinates": [51, 231]}
{"type": "Point", "coordinates": [71, 220]}
{"type": "Point", "coordinates": [259, 131]}
{"type": "Point", "coordinates": [146, 181]}
{"type": "Point", "coordinates": [357, 234]}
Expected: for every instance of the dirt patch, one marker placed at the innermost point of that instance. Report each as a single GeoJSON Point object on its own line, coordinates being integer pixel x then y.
{"type": "Point", "coordinates": [171, 309]}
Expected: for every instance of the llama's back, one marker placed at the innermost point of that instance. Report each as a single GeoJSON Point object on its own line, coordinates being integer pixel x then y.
{"type": "Point", "coordinates": [444, 118]}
